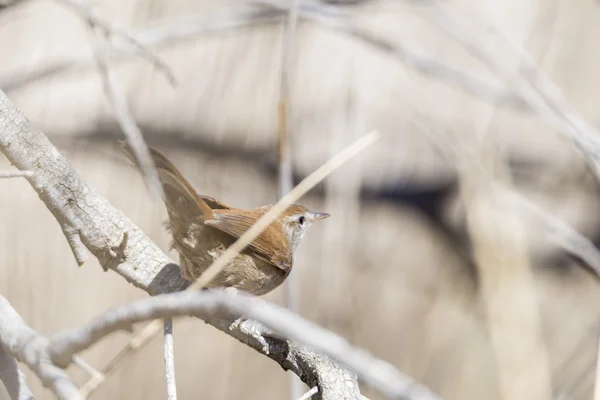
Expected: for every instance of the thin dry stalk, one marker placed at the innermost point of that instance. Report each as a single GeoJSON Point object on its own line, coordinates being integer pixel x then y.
{"type": "Point", "coordinates": [169, 353]}
{"type": "Point", "coordinates": [292, 295]}
{"type": "Point", "coordinates": [15, 174]}
{"type": "Point", "coordinates": [84, 366]}
{"type": "Point", "coordinates": [597, 380]}
{"type": "Point", "coordinates": [310, 394]}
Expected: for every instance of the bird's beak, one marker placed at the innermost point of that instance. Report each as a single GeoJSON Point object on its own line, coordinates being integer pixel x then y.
{"type": "Point", "coordinates": [318, 216]}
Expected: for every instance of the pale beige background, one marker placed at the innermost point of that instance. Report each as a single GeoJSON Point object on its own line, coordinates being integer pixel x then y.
{"type": "Point", "coordinates": [379, 273]}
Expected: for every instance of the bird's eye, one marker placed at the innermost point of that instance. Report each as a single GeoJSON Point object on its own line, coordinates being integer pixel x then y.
{"type": "Point", "coordinates": [301, 220]}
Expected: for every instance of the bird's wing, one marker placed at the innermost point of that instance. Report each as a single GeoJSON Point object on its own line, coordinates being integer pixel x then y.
{"type": "Point", "coordinates": [214, 203]}
{"type": "Point", "coordinates": [271, 245]}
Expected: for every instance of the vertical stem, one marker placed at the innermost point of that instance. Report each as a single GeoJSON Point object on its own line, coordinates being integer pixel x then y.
{"type": "Point", "coordinates": [169, 359]}
{"type": "Point", "coordinates": [285, 181]}
{"type": "Point", "coordinates": [597, 380]}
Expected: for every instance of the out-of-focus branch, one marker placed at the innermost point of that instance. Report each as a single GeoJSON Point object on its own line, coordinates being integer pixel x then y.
{"type": "Point", "coordinates": [20, 342]}
{"type": "Point", "coordinates": [270, 11]}
{"type": "Point", "coordinates": [95, 18]}
{"type": "Point", "coordinates": [557, 231]}
{"type": "Point", "coordinates": [520, 72]}
{"type": "Point", "coordinates": [124, 117]}
{"type": "Point", "coordinates": [12, 378]}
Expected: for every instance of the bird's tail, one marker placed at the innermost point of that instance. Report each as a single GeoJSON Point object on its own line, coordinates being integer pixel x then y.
{"type": "Point", "coordinates": [181, 199]}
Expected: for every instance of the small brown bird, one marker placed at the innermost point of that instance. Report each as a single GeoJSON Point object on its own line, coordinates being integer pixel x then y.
{"type": "Point", "coordinates": [202, 228]}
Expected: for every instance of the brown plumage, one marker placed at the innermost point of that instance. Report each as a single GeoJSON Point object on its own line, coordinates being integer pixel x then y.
{"type": "Point", "coordinates": [203, 227]}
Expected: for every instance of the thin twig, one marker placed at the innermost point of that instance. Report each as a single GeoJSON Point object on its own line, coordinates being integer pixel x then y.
{"type": "Point", "coordinates": [15, 174]}
{"type": "Point", "coordinates": [557, 231]}
{"type": "Point", "coordinates": [169, 353]}
{"type": "Point", "coordinates": [291, 290]}
{"type": "Point", "coordinates": [95, 18]}
{"type": "Point", "coordinates": [125, 118]}
{"type": "Point", "coordinates": [91, 371]}
{"type": "Point", "coordinates": [597, 378]}
{"type": "Point", "coordinates": [310, 393]}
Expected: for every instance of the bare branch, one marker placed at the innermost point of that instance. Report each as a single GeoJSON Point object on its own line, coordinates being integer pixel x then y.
{"type": "Point", "coordinates": [557, 231]}
{"type": "Point", "coordinates": [211, 304]}
{"type": "Point", "coordinates": [94, 17]}
{"type": "Point", "coordinates": [169, 353]}
{"type": "Point", "coordinates": [562, 234]}
{"type": "Point", "coordinates": [125, 118]}
{"type": "Point", "coordinates": [27, 346]}
{"type": "Point", "coordinates": [12, 378]}
{"type": "Point", "coordinates": [15, 174]}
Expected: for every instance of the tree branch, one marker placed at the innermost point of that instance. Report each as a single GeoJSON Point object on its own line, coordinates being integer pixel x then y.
{"type": "Point", "coordinates": [12, 377]}
{"type": "Point", "coordinates": [27, 346]}
{"type": "Point", "coordinates": [211, 305]}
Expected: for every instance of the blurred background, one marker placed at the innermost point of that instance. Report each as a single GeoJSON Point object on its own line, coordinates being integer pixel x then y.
{"type": "Point", "coordinates": [426, 262]}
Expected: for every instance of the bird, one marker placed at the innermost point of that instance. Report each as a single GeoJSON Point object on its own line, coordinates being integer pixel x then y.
{"type": "Point", "coordinates": [202, 228]}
